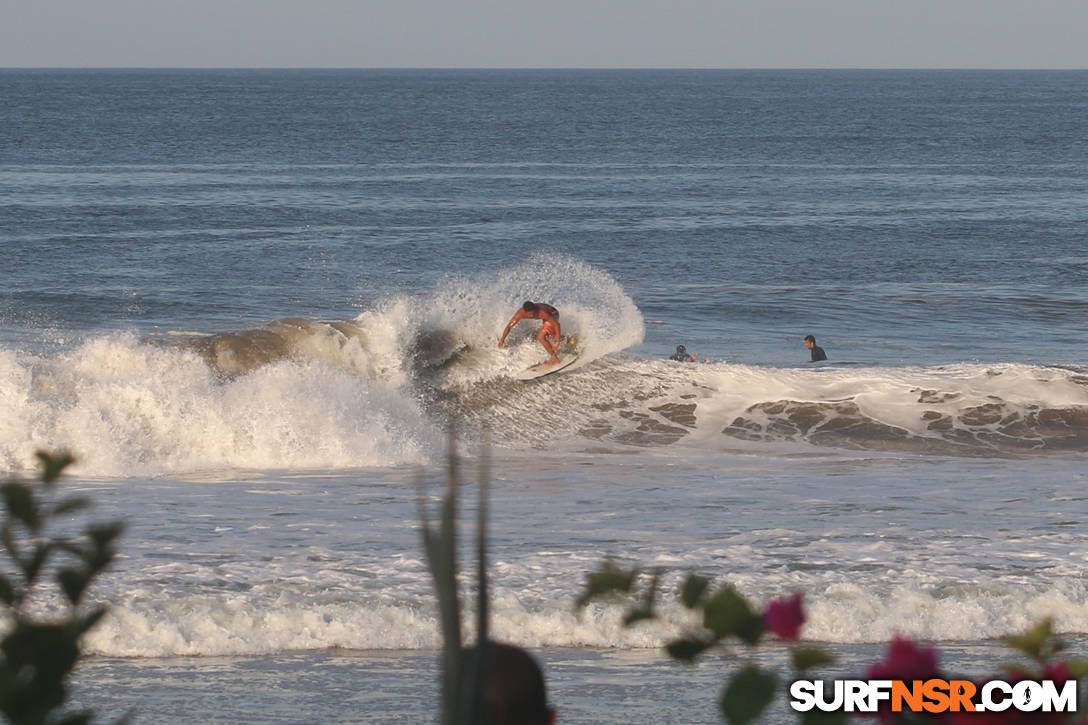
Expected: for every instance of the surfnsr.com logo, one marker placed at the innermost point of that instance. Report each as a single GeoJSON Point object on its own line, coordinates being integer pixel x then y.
{"type": "Point", "coordinates": [933, 696]}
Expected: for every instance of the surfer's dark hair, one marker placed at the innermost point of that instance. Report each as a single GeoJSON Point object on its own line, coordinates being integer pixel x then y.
{"type": "Point", "coordinates": [810, 338]}
{"type": "Point", "coordinates": [529, 306]}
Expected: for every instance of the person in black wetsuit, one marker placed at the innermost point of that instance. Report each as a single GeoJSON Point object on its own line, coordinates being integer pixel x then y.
{"type": "Point", "coordinates": [818, 353]}
{"type": "Point", "coordinates": [682, 355]}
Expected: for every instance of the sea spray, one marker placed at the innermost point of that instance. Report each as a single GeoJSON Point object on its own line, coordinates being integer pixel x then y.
{"type": "Point", "coordinates": [127, 408]}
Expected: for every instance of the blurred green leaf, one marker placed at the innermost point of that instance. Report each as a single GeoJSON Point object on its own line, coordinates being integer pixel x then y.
{"type": "Point", "coordinates": [638, 615]}
{"type": "Point", "coordinates": [53, 464]}
{"type": "Point", "coordinates": [1033, 642]}
{"type": "Point", "coordinates": [79, 718]}
{"type": "Point", "coordinates": [646, 611]}
{"type": "Point", "coordinates": [686, 650]}
{"type": "Point", "coordinates": [33, 566]}
{"type": "Point", "coordinates": [751, 630]}
{"type": "Point", "coordinates": [727, 613]}
{"type": "Point", "coordinates": [805, 658]}
{"type": "Point", "coordinates": [7, 536]}
{"type": "Point", "coordinates": [73, 582]}
{"type": "Point", "coordinates": [102, 536]}
{"type": "Point", "coordinates": [7, 591]}
{"type": "Point", "coordinates": [85, 623]}
{"type": "Point", "coordinates": [748, 694]}
{"type": "Point", "coordinates": [20, 503]}
{"type": "Point", "coordinates": [693, 589]}
{"type": "Point", "coordinates": [606, 581]}
{"type": "Point", "coordinates": [1078, 667]}
{"type": "Point", "coordinates": [70, 547]}
{"type": "Point", "coordinates": [41, 655]}
{"type": "Point", "coordinates": [105, 533]}
{"type": "Point", "coordinates": [71, 505]}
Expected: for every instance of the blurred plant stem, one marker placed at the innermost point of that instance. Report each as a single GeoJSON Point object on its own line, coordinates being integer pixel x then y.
{"type": "Point", "coordinates": [462, 678]}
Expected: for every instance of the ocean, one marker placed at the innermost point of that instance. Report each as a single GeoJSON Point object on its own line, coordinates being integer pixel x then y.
{"type": "Point", "coordinates": [253, 302]}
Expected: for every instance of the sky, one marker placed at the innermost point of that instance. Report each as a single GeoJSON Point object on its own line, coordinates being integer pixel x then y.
{"type": "Point", "coordinates": [544, 33]}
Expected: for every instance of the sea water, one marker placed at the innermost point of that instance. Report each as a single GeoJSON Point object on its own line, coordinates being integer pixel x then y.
{"type": "Point", "coordinates": [253, 301]}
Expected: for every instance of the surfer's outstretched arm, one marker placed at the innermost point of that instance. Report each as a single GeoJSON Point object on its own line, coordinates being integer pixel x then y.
{"type": "Point", "coordinates": [510, 326]}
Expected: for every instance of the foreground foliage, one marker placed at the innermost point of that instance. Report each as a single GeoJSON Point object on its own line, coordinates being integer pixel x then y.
{"type": "Point", "coordinates": [38, 653]}
{"type": "Point", "coordinates": [462, 686]}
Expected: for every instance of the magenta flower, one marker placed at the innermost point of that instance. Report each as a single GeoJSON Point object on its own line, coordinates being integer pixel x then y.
{"type": "Point", "coordinates": [1057, 670]}
{"type": "Point", "coordinates": [906, 661]}
{"type": "Point", "coordinates": [784, 617]}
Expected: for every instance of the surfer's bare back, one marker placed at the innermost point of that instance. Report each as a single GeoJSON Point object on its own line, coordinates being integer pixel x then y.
{"type": "Point", "coordinates": [549, 334]}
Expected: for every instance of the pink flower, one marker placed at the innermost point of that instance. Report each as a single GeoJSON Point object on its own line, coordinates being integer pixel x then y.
{"type": "Point", "coordinates": [1057, 670]}
{"type": "Point", "coordinates": [784, 617]}
{"type": "Point", "coordinates": [906, 661]}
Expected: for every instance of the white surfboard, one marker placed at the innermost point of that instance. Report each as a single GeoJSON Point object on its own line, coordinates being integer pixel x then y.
{"type": "Point", "coordinates": [541, 369]}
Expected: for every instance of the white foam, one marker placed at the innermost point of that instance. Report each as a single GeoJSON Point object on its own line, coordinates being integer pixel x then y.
{"type": "Point", "coordinates": [593, 307]}
{"type": "Point", "coordinates": [852, 613]}
{"type": "Point", "coordinates": [127, 408]}
{"type": "Point", "coordinates": [211, 625]}
{"type": "Point", "coordinates": [971, 399]}
{"type": "Point", "coordinates": [305, 394]}
{"type": "Point", "coordinates": [891, 395]}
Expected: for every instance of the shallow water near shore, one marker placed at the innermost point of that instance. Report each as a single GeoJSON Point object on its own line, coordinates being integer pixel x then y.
{"type": "Point", "coordinates": [304, 594]}
{"type": "Point", "coordinates": [586, 686]}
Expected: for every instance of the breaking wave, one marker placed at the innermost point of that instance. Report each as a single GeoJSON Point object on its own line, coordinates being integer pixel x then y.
{"type": "Point", "coordinates": [964, 410]}
{"type": "Point", "coordinates": [149, 624]}
{"type": "Point", "coordinates": [297, 393]}
{"type": "Point", "coordinates": [378, 389]}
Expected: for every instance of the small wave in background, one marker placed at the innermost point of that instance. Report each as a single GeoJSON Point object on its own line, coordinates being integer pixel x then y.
{"type": "Point", "coordinates": [160, 624]}
{"type": "Point", "coordinates": [969, 409]}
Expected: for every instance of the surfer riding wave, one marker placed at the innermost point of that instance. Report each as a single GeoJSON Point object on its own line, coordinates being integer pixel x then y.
{"type": "Point", "coordinates": [549, 335]}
